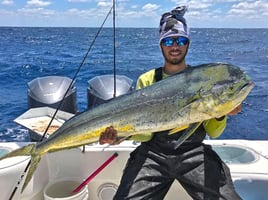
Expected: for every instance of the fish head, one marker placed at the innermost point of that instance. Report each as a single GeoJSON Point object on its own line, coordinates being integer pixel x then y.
{"type": "Point", "coordinates": [225, 93]}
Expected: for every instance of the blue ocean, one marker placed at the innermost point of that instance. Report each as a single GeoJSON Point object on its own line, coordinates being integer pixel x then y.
{"type": "Point", "coordinates": [28, 53]}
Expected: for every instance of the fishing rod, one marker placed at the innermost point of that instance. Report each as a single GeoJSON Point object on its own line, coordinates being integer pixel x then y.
{"type": "Point", "coordinates": [64, 96]}
{"type": "Point", "coordinates": [77, 72]}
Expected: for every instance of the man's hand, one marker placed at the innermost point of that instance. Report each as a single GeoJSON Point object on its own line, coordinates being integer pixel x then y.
{"type": "Point", "coordinates": [108, 136]}
{"type": "Point", "coordinates": [236, 110]}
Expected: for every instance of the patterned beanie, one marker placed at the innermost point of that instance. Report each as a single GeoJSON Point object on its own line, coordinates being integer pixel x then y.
{"type": "Point", "coordinates": [174, 24]}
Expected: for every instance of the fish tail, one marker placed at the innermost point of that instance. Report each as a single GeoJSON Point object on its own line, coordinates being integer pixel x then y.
{"type": "Point", "coordinates": [23, 151]}
{"type": "Point", "coordinates": [28, 150]}
{"type": "Point", "coordinates": [35, 159]}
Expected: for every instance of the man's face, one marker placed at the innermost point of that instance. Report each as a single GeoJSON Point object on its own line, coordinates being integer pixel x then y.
{"type": "Point", "coordinates": [174, 49]}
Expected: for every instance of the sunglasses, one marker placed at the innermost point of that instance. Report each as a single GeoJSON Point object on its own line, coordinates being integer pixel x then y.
{"type": "Point", "coordinates": [181, 41]}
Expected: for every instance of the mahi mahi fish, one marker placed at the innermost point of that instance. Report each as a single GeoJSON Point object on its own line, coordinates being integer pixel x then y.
{"type": "Point", "coordinates": [194, 95]}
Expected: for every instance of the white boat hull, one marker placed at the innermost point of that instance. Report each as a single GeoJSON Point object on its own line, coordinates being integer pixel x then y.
{"type": "Point", "coordinates": [248, 162]}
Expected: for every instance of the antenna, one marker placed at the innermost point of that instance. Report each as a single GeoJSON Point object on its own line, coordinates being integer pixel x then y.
{"type": "Point", "coordinates": [114, 48]}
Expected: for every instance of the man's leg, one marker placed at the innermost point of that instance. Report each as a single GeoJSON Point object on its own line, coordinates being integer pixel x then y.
{"type": "Point", "coordinates": [144, 177]}
{"type": "Point", "coordinates": [205, 176]}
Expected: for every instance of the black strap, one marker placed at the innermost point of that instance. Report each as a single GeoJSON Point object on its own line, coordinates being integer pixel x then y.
{"type": "Point", "coordinates": [158, 75]}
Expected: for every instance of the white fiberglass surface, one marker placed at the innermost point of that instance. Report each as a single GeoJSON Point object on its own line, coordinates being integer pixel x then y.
{"type": "Point", "coordinates": [235, 154]}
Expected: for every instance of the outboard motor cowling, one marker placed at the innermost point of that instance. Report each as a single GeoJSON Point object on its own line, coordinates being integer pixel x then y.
{"type": "Point", "coordinates": [101, 88]}
{"type": "Point", "coordinates": [49, 91]}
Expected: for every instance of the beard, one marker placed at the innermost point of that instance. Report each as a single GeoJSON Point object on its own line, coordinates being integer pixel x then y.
{"type": "Point", "coordinates": [175, 60]}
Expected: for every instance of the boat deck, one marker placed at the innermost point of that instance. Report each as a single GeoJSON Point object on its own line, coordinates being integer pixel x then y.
{"type": "Point", "coordinates": [248, 162]}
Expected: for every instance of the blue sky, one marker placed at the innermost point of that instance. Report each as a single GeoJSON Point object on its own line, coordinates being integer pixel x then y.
{"type": "Point", "coordinates": [133, 13]}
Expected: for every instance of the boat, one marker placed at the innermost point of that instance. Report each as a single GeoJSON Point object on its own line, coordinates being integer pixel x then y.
{"type": "Point", "coordinates": [88, 166]}
{"type": "Point", "coordinates": [46, 94]}
{"type": "Point", "coordinates": [247, 160]}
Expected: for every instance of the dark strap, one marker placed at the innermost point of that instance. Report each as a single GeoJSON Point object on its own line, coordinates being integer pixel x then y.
{"type": "Point", "coordinates": [158, 75]}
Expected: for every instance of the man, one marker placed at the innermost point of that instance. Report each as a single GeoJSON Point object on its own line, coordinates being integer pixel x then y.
{"type": "Point", "coordinates": [155, 164]}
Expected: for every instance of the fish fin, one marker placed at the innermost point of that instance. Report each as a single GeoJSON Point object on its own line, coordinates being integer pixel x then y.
{"type": "Point", "coordinates": [121, 139]}
{"type": "Point", "coordinates": [187, 133]}
{"type": "Point", "coordinates": [35, 159]}
{"type": "Point", "coordinates": [177, 129]}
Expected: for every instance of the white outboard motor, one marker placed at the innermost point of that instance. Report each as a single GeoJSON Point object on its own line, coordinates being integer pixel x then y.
{"type": "Point", "coordinates": [49, 91]}
{"type": "Point", "coordinates": [101, 88]}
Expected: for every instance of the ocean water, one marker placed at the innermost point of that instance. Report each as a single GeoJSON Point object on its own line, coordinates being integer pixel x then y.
{"type": "Point", "coordinates": [28, 53]}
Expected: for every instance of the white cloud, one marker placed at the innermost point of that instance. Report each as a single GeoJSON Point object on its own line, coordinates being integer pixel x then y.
{"type": "Point", "coordinates": [256, 5]}
{"type": "Point", "coordinates": [81, 13]}
{"type": "Point", "coordinates": [7, 2]}
{"type": "Point", "coordinates": [197, 5]}
{"type": "Point", "coordinates": [225, 12]}
{"type": "Point", "coordinates": [193, 3]}
{"type": "Point", "coordinates": [78, 1]}
{"type": "Point", "coordinates": [254, 9]}
{"type": "Point", "coordinates": [36, 12]}
{"type": "Point", "coordinates": [38, 3]}
{"type": "Point", "coordinates": [103, 3]}
{"type": "Point", "coordinates": [203, 13]}
{"type": "Point", "coordinates": [150, 7]}
{"type": "Point", "coordinates": [134, 6]}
